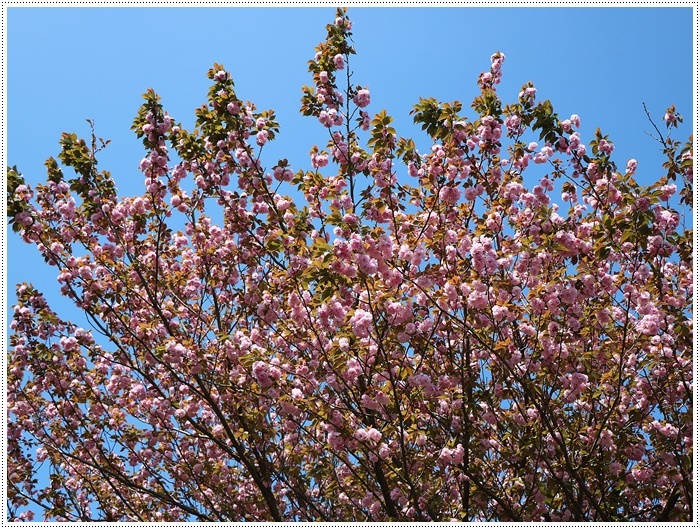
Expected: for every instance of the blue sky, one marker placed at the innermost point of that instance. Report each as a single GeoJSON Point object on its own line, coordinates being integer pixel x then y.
{"type": "Point", "coordinates": [65, 65]}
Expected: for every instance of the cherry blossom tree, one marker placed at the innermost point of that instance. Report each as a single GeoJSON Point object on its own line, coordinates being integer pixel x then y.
{"type": "Point", "coordinates": [388, 335]}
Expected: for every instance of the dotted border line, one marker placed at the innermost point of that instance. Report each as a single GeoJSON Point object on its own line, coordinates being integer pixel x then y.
{"type": "Point", "coordinates": [696, 260]}
{"type": "Point", "coordinates": [3, 254]}
{"type": "Point", "coordinates": [3, 242]}
{"type": "Point", "coordinates": [328, 3]}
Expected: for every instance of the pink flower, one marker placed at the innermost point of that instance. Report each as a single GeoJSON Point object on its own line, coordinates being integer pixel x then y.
{"type": "Point", "coordinates": [497, 60]}
{"type": "Point", "coordinates": [667, 191]}
{"type": "Point", "coordinates": [458, 453]}
{"type": "Point", "coordinates": [540, 157]}
{"type": "Point", "coordinates": [574, 384]}
{"type": "Point", "coordinates": [282, 203]}
{"type": "Point", "coordinates": [353, 371]}
{"type": "Point", "coordinates": [261, 137]}
{"type": "Point", "coordinates": [384, 453]}
{"type": "Point", "coordinates": [527, 329]}
{"type": "Point", "coordinates": [649, 324]}
{"type": "Point", "coordinates": [361, 323]}
{"type": "Point", "coordinates": [366, 264]}
{"type": "Point", "coordinates": [605, 147]}
{"type": "Point", "coordinates": [261, 373]}
{"type": "Point", "coordinates": [528, 94]}
{"type": "Point", "coordinates": [319, 160]}
{"type": "Point", "coordinates": [640, 474]}
{"type": "Point", "coordinates": [513, 124]}
{"type": "Point", "coordinates": [364, 120]}
{"type": "Point", "coordinates": [452, 455]}
{"type": "Point", "coordinates": [330, 117]}
{"type": "Point", "coordinates": [361, 435]}
{"type": "Point", "coordinates": [69, 343]}
{"type": "Point", "coordinates": [668, 430]}
{"type": "Point", "coordinates": [374, 434]}
{"type": "Point", "coordinates": [606, 439]}
{"type": "Point", "coordinates": [218, 430]}
{"type": "Point", "coordinates": [336, 441]}
{"type": "Point", "coordinates": [592, 170]}
{"type": "Point", "coordinates": [477, 300]}
{"type": "Point", "coordinates": [339, 61]}
{"type": "Point", "coordinates": [575, 120]}
{"type": "Point", "coordinates": [361, 99]}
{"type": "Point", "coordinates": [615, 468]}
{"type": "Point", "coordinates": [500, 312]}
{"type": "Point", "coordinates": [220, 75]}
{"type": "Point", "coordinates": [450, 194]}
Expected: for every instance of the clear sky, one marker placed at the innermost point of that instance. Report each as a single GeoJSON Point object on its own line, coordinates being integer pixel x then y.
{"type": "Point", "coordinates": [65, 65]}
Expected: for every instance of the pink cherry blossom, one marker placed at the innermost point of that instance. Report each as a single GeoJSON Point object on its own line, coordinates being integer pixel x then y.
{"type": "Point", "coordinates": [261, 137]}
{"type": "Point", "coordinates": [362, 98]}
